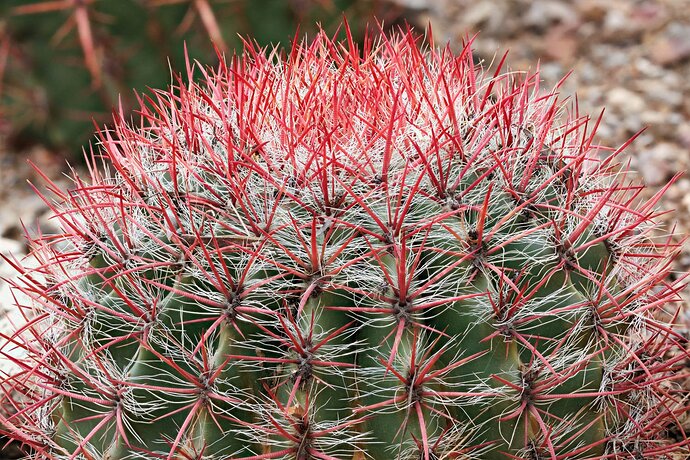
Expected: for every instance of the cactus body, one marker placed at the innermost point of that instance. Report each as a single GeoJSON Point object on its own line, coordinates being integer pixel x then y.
{"type": "Point", "coordinates": [347, 254]}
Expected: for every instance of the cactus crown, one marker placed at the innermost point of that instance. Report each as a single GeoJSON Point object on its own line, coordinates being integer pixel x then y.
{"type": "Point", "coordinates": [348, 253]}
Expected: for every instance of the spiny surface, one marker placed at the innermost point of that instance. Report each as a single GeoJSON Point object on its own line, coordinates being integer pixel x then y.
{"type": "Point", "coordinates": [348, 254]}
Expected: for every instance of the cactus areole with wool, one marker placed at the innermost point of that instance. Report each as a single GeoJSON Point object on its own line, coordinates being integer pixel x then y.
{"type": "Point", "coordinates": [342, 252]}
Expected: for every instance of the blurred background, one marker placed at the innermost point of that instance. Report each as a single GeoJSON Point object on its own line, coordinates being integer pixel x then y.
{"type": "Point", "coordinates": [65, 64]}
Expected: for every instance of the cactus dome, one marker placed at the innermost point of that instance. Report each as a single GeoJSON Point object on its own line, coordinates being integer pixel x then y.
{"type": "Point", "coordinates": [350, 251]}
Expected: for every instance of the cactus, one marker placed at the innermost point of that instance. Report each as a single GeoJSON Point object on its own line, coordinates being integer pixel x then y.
{"type": "Point", "coordinates": [349, 252]}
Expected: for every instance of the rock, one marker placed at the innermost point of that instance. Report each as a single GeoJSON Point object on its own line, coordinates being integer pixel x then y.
{"type": "Point", "coordinates": [673, 46]}
{"type": "Point", "coordinates": [648, 69]}
{"type": "Point", "coordinates": [683, 135]}
{"type": "Point", "coordinates": [686, 205]}
{"type": "Point", "coordinates": [483, 15]}
{"type": "Point", "coordinates": [413, 4]}
{"type": "Point", "coordinates": [648, 15]}
{"type": "Point", "coordinates": [544, 13]}
{"type": "Point", "coordinates": [616, 23]}
{"type": "Point", "coordinates": [657, 165]}
{"type": "Point", "coordinates": [561, 43]}
{"type": "Point", "coordinates": [657, 91]}
{"type": "Point", "coordinates": [625, 100]}
{"type": "Point", "coordinates": [610, 56]}
{"type": "Point", "coordinates": [9, 246]}
{"type": "Point", "coordinates": [592, 10]}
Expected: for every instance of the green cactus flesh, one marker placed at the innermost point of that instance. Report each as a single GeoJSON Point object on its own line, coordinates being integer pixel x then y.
{"type": "Point", "coordinates": [349, 254]}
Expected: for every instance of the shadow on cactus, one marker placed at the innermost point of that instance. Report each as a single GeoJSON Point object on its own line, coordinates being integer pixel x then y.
{"type": "Point", "coordinates": [345, 253]}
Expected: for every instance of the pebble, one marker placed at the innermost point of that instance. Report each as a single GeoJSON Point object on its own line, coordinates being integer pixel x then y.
{"type": "Point", "coordinates": [656, 90]}
{"type": "Point", "coordinates": [656, 165]}
{"type": "Point", "coordinates": [592, 10]}
{"type": "Point", "coordinates": [9, 246]}
{"type": "Point", "coordinates": [649, 69]}
{"type": "Point", "coordinates": [672, 46]}
{"type": "Point", "coordinates": [683, 136]}
{"type": "Point", "coordinates": [562, 44]}
{"type": "Point", "coordinates": [484, 14]}
{"type": "Point", "coordinates": [413, 4]}
{"type": "Point", "coordinates": [544, 13]}
{"type": "Point", "coordinates": [625, 100]}
{"type": "Point", "coordinates": [617, 25]}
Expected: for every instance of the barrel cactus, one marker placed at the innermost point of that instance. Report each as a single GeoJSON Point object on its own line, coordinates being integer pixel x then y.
{"type": "Point", "coordinates": [350, 252]}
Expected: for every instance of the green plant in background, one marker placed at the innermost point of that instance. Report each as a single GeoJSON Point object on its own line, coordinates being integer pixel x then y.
{"type": "Point", "coordinates": [65, 63]}
{"type": "Point", "coordinates": [345, 253]}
